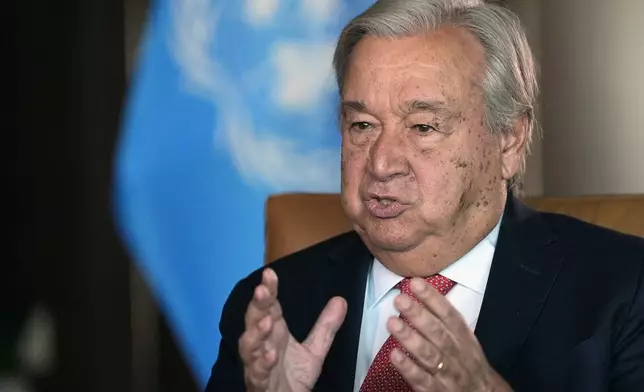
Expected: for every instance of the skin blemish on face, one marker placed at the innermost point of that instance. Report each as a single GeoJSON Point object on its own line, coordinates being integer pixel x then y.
{"type": "Point", "coordinates": [459, 163]}
{"type": "Point", "coordinates": [461, 201]}
{"type": "Point", "coordinates": [463, 204]}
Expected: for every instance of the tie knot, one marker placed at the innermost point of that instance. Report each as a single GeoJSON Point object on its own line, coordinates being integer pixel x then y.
{"type": "Point", "coordinates": [442, 284]}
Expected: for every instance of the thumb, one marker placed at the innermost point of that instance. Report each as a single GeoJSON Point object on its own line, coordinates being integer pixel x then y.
{"type": "Point", "coordinates": [323, 332]}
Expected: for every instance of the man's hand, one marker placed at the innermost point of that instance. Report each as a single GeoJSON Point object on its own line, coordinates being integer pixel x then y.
{"type": "Point", "coordinates": [273, 360]}
{"type": "Point", "coordinates": [447, 356]}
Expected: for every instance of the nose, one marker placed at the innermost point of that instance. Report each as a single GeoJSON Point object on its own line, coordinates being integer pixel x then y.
{"type": "Point", "coordinates": [387, 156]}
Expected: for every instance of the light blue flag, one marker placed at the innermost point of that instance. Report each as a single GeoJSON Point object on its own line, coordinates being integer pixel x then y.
{"type": "Point", "coordinates": [233, 100]}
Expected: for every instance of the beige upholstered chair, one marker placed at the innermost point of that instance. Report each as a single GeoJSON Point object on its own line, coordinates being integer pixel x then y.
{"type": "Point", "coordinates": [296, 221]}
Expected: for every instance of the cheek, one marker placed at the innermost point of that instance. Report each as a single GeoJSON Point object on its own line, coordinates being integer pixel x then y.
{"type": "Point", "coordinates": [446, 182]}
{"type": "Point", "coordinates": [488, 174]}
{"type": "Point", "coordinates": [489, 159]}
{"type": "Point", "coordinates": [434, 177]}
{"type": "Point", "coordinates": [352, 165]}
{"type": "Point", "coordinates": [441, 190]}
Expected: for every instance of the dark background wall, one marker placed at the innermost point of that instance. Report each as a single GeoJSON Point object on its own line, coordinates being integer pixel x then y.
{"type": "Point", "coordinates": [64, 250]}
{"type": "Point", "coordinates": [70, 90]}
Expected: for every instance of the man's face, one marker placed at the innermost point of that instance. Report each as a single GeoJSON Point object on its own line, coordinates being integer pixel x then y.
{"type": "Point", "coordinates": [418, 164]}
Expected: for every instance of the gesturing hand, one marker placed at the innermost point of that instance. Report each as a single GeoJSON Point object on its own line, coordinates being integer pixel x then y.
{"type": "Point", "coordinates": [273, 360]}
{"type": "Point", "coordinates": [448, 357]}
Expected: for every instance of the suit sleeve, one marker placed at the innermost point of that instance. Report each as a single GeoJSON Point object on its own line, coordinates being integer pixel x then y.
{"type": "Point", "coordinates": [627, 373]}
{"type": "Point", "coordinates": [228, 372]}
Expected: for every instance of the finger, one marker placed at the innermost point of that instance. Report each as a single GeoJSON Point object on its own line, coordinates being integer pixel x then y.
{"type": "Point", "coordinates": [424, 352]}
{"type": "Point", "coordinates": [427, 324]}
{"type": "Point", "coordinates": [269, 278]}
{"type": "Point", "coordinates": [438, 305]}
{"type": "Point", "coordinates": [418, 379]}
{"type": "Point", "coordinates": [261, 368]}
{"type": "Point", "coordinates": [270, 281]}
{"type": "Point", "coordinates": [447, 370]}
{"type": "Point", "coordinates": [258, 373]}
{"type": "Point", "coordinates": [323, 332]}
{"type": "Point", "coordinates": [439, 322]}
{"type": "Point", "coordinates": [252, 340]}
{"type": "Point", "coordinates": [264, 299]}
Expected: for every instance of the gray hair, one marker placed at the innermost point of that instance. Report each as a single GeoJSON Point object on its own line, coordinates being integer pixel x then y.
{"type": "Point", "coordinates": [510, 83]}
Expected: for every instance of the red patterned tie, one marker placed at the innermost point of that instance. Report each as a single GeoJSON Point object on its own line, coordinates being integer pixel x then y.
{"type": "Point", "coordinates": [382, 376]}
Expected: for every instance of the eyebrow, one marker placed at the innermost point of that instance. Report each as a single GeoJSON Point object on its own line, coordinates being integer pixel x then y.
{"type": "Point", "coordinates": [437, 107]}
{"type": "Point", "coordinates": [358, 106]}
{"type": "Point", "coordinates": [433, 106]}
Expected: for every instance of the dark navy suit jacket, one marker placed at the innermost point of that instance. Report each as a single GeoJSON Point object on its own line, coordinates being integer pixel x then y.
{"type": "Point", "coordinates": [563, 309]}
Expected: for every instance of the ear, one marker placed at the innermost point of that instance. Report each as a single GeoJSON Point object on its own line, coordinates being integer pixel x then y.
{"type": "Point", "coordinates": [513, 147]}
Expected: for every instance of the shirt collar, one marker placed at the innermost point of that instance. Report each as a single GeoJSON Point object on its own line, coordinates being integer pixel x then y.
{"type": "Point", "coordinates": [471, 270]}
{"type": "Point", "coordinates": [381, 281]}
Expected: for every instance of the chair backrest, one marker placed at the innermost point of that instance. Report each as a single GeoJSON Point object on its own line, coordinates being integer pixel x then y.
{"type": "Point", "coordinates": [296, 221]}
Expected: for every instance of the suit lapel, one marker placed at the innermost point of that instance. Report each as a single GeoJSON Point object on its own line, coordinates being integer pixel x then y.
{"type": "Point", "coordinates": [525, 265]}
{"type": "Point", "coordinates": [346, 277]}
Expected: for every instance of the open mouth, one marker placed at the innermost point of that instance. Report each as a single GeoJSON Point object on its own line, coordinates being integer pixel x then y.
{"type": "Point", "coordinates": [384, 207]}
{"type": "Point", "coordinates": [385, 201]}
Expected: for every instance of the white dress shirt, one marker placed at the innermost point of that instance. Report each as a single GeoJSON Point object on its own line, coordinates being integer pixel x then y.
{"type": "Point", "coordinates": [470, 273]}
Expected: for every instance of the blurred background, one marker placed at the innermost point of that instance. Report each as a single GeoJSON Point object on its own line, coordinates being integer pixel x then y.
{"type": "Point", "coordinates": [149, 133]}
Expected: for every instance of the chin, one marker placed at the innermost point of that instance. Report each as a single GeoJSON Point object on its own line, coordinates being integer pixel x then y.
{"type": "Point", "coordinates": [391, 235]}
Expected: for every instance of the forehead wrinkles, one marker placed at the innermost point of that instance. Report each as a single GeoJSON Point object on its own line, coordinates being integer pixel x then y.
{"type": "Point", "coordinates": [389, 85]}
{"type": "Point", "coordinates": [446, 62]}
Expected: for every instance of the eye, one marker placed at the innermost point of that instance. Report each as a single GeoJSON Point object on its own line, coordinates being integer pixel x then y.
{"type": "Point", "coordinates": [424, 128]}
{"type": "Point", "coordinates": [361, 125]}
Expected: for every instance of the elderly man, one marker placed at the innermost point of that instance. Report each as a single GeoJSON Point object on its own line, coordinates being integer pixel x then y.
{"type": "Point", "coordinates": [448, 283]}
